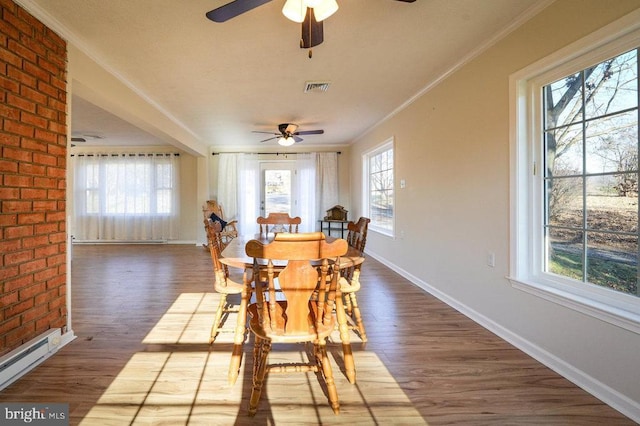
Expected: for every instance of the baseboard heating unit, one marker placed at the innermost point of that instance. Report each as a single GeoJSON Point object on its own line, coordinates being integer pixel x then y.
{"type": "Point", "coordinates": [19, 361]}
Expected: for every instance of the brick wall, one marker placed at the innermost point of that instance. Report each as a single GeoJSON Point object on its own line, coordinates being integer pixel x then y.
{"type": "Point", "coordinates": [32, 177]}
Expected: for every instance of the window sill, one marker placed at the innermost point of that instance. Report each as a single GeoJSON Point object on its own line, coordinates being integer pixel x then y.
{"type": "Point", "coordinates": [603, 311]}
{"type": "Point", "coordinates": [382, 231]}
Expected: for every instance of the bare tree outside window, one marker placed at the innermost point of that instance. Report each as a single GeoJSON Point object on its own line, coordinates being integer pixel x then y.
{"type": "Point", "coordinates": [380, 197]}
{"type": "Point", "coordinates": [591, 174]}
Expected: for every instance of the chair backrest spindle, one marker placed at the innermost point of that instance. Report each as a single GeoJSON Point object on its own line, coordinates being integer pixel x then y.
{"type": "Point", "coordinates": [216, 245]}
{"type": "Point", "coordinates": [357, 235]}
{"type": "Point", "coordinates": [278, 222]}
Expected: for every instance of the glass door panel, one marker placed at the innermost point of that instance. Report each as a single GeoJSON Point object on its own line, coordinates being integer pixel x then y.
{"type": "Point", "coordinates": [278, 181]}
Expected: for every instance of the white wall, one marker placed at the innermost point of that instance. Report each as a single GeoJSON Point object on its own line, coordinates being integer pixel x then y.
{"type": "Point", "coordinates": [452, 148]}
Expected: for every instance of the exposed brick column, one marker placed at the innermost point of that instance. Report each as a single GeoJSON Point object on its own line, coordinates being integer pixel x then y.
{"type": "Point", "coordinates": [33, 141]}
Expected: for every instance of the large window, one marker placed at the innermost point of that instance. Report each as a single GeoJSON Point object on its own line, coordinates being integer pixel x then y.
{"type": "Point", "coordinates": [379, 192]}
{"type": "Point", "coordinates": [591, 174]}
{"type": "Point", "coordinates": [125, 196]}
{"type": "Point", "coordinates": [575, 177]}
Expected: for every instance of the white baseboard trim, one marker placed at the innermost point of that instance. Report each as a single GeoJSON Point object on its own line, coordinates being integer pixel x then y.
{"type": "Point", "coordinates": [67, 338]}
{"type": "Point", "coordinates": [606, 394]}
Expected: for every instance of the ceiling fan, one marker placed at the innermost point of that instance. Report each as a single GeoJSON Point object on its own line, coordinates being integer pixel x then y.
{"type": "Point", "coordinates": [74, 139]}
{"type": "Point", "coordinates": [84, 137]}
{"type": "Point", "coordinates": [288, 134]}
{"type": "Point", "coordinates": [311, 13]}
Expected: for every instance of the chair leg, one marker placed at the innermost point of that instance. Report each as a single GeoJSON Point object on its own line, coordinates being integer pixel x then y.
{"type": "Point", "coordinates": [357, 315]}
{"type": "Point", "coordinates": [216, 321]}
{"type": "Point", "coordinates": [327, 373]}
{"type": "Point", "coordinates": [343, 327]}
{"type": "Point", "coordinates": [239, 336]}
{"type": "Point", "coordinates": [257, 353]}
{"type": "Point", "coordinates": [259, 374]}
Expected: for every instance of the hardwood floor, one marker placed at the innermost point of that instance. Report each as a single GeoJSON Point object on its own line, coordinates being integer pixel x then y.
{"type": "Point", "coordinates": [142, 315]}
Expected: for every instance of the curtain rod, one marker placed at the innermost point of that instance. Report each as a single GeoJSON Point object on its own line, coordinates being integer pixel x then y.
{"type": "Point", "coordinates": [141, 154]}
{"type": "Point", "coordinates": [272, 153]}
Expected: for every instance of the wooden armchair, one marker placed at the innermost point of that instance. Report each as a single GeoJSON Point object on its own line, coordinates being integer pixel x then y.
{"type": "Point", "coordinates": [357, 236]}
{"type": "Point", "coordinates": [229, 231]}
{"type": "Point", "coordinates": [304, 311]}
{"type": "Point", "coordinates": [222, 284]}
{"type": "Point", "coordinates": [278, 222]}
{"type": "Point", "coordinates": [350, 279]}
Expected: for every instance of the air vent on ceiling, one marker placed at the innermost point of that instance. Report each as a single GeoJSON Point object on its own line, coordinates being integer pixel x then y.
{"type": "Point", "coordinates": [316, 86]}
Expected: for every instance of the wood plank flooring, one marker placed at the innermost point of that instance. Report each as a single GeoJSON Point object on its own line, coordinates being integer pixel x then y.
{"type": "Point", "coordinates": [142, 315]}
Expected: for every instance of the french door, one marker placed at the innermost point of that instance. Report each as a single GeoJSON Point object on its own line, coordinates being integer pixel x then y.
{"type": "Point", "coordinates": [277, 188]}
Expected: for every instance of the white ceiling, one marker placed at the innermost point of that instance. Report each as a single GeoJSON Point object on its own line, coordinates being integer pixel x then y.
{"type": "Point", "coordinates": [224, 80]}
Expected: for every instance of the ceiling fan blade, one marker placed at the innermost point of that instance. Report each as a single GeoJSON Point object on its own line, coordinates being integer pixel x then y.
{"type": "Point", "coordinates": [310, 132]}
{"type": "Point", "coordinates": [297, 139]}
{"type": "Point", "coordinates": [407, 1]}
{"type": "Point", "coordinates": [73, 139]}
{"type": "Point", "coordinates": [312, 31]}
{"type": "Point", "coordinates": [269, 139]}
{"type": "Point", "coordinates": [233, 9]}
{"type": "Point", "coordinates": [266, 133]}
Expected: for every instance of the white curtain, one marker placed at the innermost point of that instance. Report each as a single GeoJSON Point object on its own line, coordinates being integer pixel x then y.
{"type": "Point", "coordinates": [228, 185]}
{"type": "Point", "coordinates": [248, 193]}
{"type": "Point", "coordinates": [326, 182]}
{"type": "Point", "coordinates": [126, 197]}
{"type": "Point", "coordinates": [316, 191]}
{"type": "Point", "coordinates": [306, 192]}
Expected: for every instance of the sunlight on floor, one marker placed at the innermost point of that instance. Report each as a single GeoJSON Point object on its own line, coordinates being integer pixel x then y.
{"type": "Point", "coordinates": [188, 384]}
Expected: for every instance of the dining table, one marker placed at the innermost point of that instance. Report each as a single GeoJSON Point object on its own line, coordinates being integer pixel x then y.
{"type": "Point", "coordinates": [234, 255]}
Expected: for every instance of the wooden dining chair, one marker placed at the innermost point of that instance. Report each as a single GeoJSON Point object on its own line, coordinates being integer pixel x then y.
{"type": "Point", "coordinates": [350, 277]}
{"type": "Point", "coordinates": [304, 310]}
{"type": "Point", "coordinates": [228, 229]}
{"type": "Point", "coordinates": [278, 222]}
{"type": "Point", "coordinates": [222, 284]}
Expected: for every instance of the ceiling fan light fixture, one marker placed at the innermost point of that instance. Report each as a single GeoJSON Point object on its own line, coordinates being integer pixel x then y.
{"type": "Point", "coordinates": [296, 10]}
{"type": "Point", "coordinates": [286, 141]}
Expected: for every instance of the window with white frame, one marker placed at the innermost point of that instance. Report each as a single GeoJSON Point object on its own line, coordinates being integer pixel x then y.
{"type": "Point", "coordinates": [575, 176]}
{"type": "Point", "coordinates": [378, 184]}
{"type": "Point", "coordinates": [126, 196]}
{"type": "Point", "coordinates": [134, 184]}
